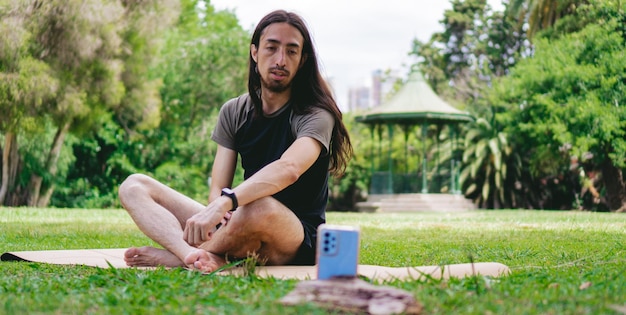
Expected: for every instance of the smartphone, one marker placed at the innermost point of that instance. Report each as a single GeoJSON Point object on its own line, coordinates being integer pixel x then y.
{"type": "Point", "coordinates": [337, 251]}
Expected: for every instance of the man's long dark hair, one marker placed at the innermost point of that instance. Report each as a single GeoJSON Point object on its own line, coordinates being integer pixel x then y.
{"type": "Point", "coordinates": [308, 88]}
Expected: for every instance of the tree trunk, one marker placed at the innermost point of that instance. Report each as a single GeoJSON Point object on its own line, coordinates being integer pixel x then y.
{"type": "Point", "coordinates": [4, 185]}
{"type": "Point", "coordinates": [34, 186]}
{"type": "Point", "coordinates": [615, 187]}
{"type": "Point", "coordinates": [45, 195]}
{"type": "Point", "coordinates": [37, 197]}
{"type": "Point", "coordinates": [9, 165]}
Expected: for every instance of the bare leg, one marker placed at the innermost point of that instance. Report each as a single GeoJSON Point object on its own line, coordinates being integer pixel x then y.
{"type": "Point", "coordinates": [265, 227]}
{"type": "Point", "coordinates": [160, 212]}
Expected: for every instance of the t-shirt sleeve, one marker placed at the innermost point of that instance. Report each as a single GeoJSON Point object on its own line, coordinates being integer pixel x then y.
{"type": "Point", "coordinates": [228, 122]}
{"type": "Point", "coordinates": [318, 125]}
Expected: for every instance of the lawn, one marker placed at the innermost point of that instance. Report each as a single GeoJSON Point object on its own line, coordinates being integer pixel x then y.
{"type": "Point", "coordinates": [561, 262]}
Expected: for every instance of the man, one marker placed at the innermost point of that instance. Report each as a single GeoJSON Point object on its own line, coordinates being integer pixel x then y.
{"type": "Point", "coordinates": [288, 132]}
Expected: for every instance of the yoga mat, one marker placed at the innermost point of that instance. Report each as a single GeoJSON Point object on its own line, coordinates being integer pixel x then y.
{"type": "Point", "coordinates": [87, 257]}
{"type": "Point", "coordinates": [115, 257]}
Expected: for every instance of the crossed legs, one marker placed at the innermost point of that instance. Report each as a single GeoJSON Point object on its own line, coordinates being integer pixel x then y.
{"type": "Point", "coordinates": [265, 227]}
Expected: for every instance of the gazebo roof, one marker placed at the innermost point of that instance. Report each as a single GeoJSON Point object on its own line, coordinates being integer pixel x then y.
{"type": "Point", "coordinates": [416, 102]}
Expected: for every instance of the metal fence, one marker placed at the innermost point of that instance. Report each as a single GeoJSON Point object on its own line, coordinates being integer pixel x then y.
{"type": "Point", "coordinates": [396, 183]}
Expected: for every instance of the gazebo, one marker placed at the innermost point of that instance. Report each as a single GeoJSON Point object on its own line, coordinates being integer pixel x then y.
{"type": "Point", "coordinates": [414, 105]}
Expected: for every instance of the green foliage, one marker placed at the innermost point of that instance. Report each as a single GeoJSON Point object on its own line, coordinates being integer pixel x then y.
{"type": "Point", "coordinates": [73, 63]}
{"type": "Point", "coordinates": [83, 194]}
{"type": "Point", "coordinates": [476, 46]}
{"type": "Point", "coordinates": [543, 14]}
{"type": "Point", "coordinates": [82, 50]}
{"type": "Point", "coordinates": [147, 20]}
{"type": "Point", "coordinates": [24, 90]}
{"type": "Point", "coordinates": [558, 112]}
{"type": "Point", "coordinates": [564, 104]}
{"type": "Point", "coordinates": [14, 42]}
{"type": "Point", "coordinates": [491, 167]}
{"type": "Point", "coordinates": [187, 178]}
{"type": "Point", "coordinates": [34, 150]}
{"type": "Point", "coordinates": [202, 65]}
{"type": "Point", "coordinates": [101, 164]}
{"type": "Point", "coordinates": [162, 126]}
{"type": "Point", "coordinates": [346, 191]}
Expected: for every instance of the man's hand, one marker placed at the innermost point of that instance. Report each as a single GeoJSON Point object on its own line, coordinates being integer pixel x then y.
{"type": "Point", "coordinates": [200, 227]}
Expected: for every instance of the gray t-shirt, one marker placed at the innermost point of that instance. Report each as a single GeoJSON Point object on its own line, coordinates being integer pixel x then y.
{"type": "Point", "coordinates": [233, 115]}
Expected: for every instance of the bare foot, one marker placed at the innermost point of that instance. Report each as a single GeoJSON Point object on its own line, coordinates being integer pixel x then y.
{"type": "Point", "coordinates": [151, 257]}
{"type": "Point", "coordinates": [204, 261]}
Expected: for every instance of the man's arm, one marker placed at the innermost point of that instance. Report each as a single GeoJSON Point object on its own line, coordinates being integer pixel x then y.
{"type": "Point", "coordinates": [223, 171]}
{"type": "Point", "coordinates": [199, 227]}
{"type": "Point", "coordinates": [269, 180]}
{"type": "Point", "coordinates": [281, 173]}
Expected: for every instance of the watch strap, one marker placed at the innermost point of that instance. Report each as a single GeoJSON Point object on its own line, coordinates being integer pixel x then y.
{"type": "Point", "coordinates": [231, 194]}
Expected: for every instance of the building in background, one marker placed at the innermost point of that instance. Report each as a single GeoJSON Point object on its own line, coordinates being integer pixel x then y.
{"type": "Point", "coordinates": [377, 88]}
{"type": "Point", "coordinates": [359, 98]}
{"type": "Point", "coordinates": [374, 92]}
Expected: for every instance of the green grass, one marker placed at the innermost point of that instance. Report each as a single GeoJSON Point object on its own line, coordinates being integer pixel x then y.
{"type": "Point", "coordinates": [561, 262]}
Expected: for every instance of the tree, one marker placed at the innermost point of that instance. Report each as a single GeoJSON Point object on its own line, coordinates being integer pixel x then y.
{"type": "Point", "coordinates": [490, 166]}
{"type": "Point", "coordinates": [26, 84]}
{"type": "Point", "coordinates": [476, 46]}
{"type": "Point", "coordinates": [92, 49]}
{"type": "Point", "coordinates": [568, 98]}
{"type": "Point", "coordinates": [542, 14]}
{"type": "Point", "coordinates": [200, 64]}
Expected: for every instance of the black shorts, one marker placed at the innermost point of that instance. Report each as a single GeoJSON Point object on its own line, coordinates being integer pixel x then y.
{"type": "Point", "coordinates": [306, 253]}
{"type": "Point", "coordinates": [305, 256]}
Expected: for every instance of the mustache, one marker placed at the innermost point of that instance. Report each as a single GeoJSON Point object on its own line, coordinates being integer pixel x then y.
{"type": "Point", "coordinates": [279, 69]}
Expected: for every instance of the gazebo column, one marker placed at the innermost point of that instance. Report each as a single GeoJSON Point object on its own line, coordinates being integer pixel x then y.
{"type": "Point", "coordinates": [372, 129]}
{"type": "Point", "coordinates": [380, 147]}
{"type": "Point", "coordinates": [424, 159]}
{"type": "Point", "coordinates": [458, 161]}
{"type": "Point", "coordinates": [452, 160]}
{"type": "Point", "coordinates": [389, 160]}
{"type": "Point", "coordinates": [437, 172]}
{"type": "Point", "coordinates": [406, 130]}
{"type": "Point", "coordinates": [406, 187]}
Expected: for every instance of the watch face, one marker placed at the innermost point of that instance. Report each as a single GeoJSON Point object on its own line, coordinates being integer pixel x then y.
{"type": "Point", "coordinates": [227, 191]}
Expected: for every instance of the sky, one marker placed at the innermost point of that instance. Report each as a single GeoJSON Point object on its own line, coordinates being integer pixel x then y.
{"type": "Point", "coordinates": [355, 38]}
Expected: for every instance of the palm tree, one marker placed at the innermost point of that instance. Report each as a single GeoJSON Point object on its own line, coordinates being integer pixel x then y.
{"type": "Point", "coordinates": [491, 169]}
{"type": "Point", "coordinates": [542, 14]}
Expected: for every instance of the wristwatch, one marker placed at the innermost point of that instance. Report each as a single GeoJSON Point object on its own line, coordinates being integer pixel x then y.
{"type": "Point", "coordinates": [230, 194]}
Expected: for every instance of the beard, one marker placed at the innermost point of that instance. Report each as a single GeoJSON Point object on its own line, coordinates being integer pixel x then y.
{"type": "Point", "coordinates": [274, 86]}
